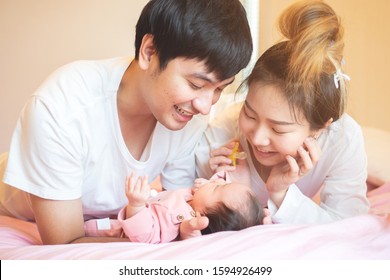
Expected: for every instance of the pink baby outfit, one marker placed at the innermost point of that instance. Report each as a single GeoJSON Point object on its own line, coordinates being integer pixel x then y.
{"type": "Point", "coordinates": [158, 222]}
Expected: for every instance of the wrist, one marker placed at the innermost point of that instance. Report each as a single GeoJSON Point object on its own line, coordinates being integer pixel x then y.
{"type": "Point", "coordinates": [278, 197]}
{"type": "Point", "coordinates": [131, 210]}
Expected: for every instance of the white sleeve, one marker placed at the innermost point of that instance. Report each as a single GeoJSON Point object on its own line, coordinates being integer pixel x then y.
{"type": "Point", "coordinates": [44, 159]}
{"type": "Point", "coordinates": [344, 189]}
{"type": "Point", "coordinates": [297, 208]}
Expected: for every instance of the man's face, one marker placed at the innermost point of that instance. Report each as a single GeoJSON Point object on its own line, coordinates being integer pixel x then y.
{"type": "Point", "coordinates": [180, 91]}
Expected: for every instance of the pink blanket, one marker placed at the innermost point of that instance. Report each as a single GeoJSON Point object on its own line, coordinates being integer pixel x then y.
{"type": "Point", "coordinates": [362, 237]}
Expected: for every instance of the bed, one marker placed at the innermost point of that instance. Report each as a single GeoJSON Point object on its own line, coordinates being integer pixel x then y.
{"type": "Point", "coordinates": [365, 237]}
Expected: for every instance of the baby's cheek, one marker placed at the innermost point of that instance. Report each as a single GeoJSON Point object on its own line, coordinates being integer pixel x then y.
{"type": "Point", "coordinates": [200, 181]}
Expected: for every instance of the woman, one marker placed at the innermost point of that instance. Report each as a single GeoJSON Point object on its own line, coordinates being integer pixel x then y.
{"type": "Point", "coordinates": [293, 127]}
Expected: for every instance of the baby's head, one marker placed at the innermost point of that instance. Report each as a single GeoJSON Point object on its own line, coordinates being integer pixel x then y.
{"type": "Point", "coordinates": [228, 206]}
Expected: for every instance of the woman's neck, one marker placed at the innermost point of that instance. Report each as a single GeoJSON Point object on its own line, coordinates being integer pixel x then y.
{"type": "Point", "coordinates": [262, 170]}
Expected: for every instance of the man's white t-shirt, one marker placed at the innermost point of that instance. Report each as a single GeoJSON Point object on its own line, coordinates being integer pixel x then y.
{"type": "Point", "coordinates": [340, 174]}
{"type": "Point", "coordinates": [68, 144]}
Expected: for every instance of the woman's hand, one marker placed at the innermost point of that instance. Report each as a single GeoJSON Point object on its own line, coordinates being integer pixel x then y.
{"type": "Point", "coordinates": [293, 169]}
{"type": "Point", "coordinates": [219, 158]}
{"type": "Point", "coordinates": [226, 157]}
{"type": "Point", "coordinates": [220, 161]}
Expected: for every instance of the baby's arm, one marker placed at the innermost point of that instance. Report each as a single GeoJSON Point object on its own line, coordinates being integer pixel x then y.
{"type": "Point", "coordinates": [137, 192]}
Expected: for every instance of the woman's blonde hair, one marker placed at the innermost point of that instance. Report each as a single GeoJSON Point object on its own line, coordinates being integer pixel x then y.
{"type": "Point", "coordinates": [304, 64]}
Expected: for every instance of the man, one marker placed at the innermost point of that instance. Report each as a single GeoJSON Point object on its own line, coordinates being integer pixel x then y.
{"type": "Point", "coordinates": [91, 123]}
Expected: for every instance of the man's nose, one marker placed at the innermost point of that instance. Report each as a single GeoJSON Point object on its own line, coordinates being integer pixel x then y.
{"type": "Point", "coordinates": [204, 102]}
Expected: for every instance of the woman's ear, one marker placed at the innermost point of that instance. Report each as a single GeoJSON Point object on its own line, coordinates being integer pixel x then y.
{"type": "Point", "coordinates": [318, 132]}
{"type": "Point", "coordinates": [146, 51]}
{"type": "Point", "coordinates": [328, 123]}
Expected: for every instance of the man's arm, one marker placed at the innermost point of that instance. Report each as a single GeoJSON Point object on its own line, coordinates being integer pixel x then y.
{"type": "Point", "coordinates": [61, 222]}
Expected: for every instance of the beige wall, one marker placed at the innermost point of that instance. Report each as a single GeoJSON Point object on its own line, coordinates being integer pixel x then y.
{"type": "Point", "coordinates": [38, 36]}
{"type": "Point", "coordinates": [367, 53]}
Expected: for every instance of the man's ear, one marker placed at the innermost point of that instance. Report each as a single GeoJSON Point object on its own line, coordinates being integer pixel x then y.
{"type": "Point", "coordinates": [146, 51]}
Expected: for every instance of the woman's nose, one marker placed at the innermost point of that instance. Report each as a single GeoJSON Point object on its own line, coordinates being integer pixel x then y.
{"type": "Point", "coordinates": [261, 137]}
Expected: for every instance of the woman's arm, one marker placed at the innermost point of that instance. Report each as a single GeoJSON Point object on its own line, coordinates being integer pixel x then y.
{"type": "Point", "coordinates": [287, 173]}
{"type": "Point", "coordinates": [342, 171]}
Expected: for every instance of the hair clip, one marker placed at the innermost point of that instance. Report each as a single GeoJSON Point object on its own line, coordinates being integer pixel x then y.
{"type": "Point", "coordinates": [338, 75]}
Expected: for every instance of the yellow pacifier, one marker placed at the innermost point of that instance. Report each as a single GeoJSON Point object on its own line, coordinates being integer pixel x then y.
{"type": "Point", "coordinates": [236, 154]}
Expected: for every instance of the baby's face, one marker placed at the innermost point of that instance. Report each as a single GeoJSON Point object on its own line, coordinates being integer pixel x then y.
{"type": "Point", "coordinates": [209, 192]}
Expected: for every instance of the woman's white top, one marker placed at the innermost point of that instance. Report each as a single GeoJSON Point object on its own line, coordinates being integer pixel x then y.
{"type": "Point", "coordinates": [340, 174]}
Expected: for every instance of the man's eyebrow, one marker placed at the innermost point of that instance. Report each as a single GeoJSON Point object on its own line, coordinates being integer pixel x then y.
{"type": "Point", "coordinates": [208, 79]}
{"type": "Point", "coordinates": [202, 77]}
{"type": "Point", "coordinates": [277, 122]}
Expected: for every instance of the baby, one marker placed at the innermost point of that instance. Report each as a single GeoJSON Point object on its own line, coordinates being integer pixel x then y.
{"type": "Point", "coordinates": [226, 205]}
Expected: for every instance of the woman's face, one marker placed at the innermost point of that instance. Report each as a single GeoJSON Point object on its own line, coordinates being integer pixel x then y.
{"type": "Point", "coordinates": [270, 127]}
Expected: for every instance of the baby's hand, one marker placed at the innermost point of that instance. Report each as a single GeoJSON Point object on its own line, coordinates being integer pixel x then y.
{"type": "Point", "coordinates": [200, 182]}
{"type": "Point", "coordinates": [137, 191]}
{"type": "Point", "coordinates": [192, 228]}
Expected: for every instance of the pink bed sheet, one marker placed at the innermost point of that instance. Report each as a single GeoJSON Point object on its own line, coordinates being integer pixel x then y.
{"type": "Point", "coordinates": [362, 237]}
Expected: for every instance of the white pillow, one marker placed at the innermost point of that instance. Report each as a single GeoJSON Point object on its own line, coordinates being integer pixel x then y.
{"type": "Point", "coordinates": [377, 143]}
